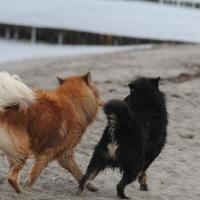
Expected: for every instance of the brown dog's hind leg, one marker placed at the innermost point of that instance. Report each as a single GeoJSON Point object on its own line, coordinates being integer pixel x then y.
{"type": "Point", "coordinates": [37, 168]}
{"type": "Point", "coordinates": [13, 175]}
{"type": "Point", "coordinates": [67, 161]}
{"type": "Point", "coordinates": [142, 179]}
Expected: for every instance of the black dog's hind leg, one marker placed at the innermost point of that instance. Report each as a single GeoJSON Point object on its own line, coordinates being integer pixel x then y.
{"type": "Point", "coordinates": [142, 179]}
{"type": "Point", "coordinates": [95, 166]}
{"type": "Point", "coordinates": [127, 178]}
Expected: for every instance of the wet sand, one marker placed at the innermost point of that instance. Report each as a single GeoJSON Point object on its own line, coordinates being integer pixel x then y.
{"type": "Point", "coordinates": [175, 173]}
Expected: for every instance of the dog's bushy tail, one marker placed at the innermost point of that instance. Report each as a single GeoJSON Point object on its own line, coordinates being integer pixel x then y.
{"type": "Point", "coordinates": [14, 92]}
{"type": "Point", "coordinates": [118, 111]}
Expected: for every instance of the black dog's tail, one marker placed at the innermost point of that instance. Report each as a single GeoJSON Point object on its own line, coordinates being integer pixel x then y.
{"type": "Point", "coordinates": [118, 111]}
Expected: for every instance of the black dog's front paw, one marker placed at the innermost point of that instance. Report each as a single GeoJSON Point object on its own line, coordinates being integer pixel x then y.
{"type": "Point", "coordinates": [80, 192]}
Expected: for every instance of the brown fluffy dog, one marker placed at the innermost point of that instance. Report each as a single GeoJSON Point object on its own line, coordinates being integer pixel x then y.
{"type": "Point", "coordinates": [48, 128]}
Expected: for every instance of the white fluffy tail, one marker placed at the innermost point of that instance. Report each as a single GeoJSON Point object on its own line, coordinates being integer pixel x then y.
{"type": "Point", "coordinates": [14, 92]}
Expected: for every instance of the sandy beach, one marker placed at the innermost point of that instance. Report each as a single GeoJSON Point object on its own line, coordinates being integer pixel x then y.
{"type": "Point", "coordinates": [175, 173]}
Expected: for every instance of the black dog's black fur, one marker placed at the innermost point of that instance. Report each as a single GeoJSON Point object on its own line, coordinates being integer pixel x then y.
{"type": "Point", "coordinates": [134, 136]}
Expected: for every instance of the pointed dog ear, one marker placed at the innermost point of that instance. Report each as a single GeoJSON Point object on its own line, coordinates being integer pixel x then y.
{"type": "Point", "coordinates": [131, 87]}
{"type": "Point", "coordinates": [155, 82]}
{"type": "Point", "coordinates": [88, 78]}
{"type": "Point", "coordinates": [60, 80]}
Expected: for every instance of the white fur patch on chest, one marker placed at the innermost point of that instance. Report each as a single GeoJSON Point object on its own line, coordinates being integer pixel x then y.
{"type": "Point", "coordinates": [112, 147]}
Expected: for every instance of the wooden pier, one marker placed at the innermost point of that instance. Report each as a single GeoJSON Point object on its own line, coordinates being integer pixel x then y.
{"type": "Point", "coordinates": [64, 36]}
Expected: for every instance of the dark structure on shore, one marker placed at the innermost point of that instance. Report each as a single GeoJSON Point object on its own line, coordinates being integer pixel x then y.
{"type": "Point", "coordinates": [65, 36]}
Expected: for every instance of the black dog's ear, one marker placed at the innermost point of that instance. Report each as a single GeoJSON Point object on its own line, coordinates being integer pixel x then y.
{"type": "Point", "coordinates": [131, 86]}
{"type": "Point", "coordinates": [60, 80]}
{"type": "Point", "coordinates": [155, 82]}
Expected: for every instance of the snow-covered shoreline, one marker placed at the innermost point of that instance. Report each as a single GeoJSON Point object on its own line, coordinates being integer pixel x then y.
{"type": "Point", "coordinates": [12, 50]}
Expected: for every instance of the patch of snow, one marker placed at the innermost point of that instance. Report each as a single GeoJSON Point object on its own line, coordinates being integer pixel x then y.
{"type": "Point", "coordinates": [15, 51]}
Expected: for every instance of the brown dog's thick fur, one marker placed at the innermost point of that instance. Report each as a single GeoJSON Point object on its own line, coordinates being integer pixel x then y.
{"type": "Point", "coordinates": [49, 128]}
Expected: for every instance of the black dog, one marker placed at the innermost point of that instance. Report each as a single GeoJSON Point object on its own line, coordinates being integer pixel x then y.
{"type": "Point", "coordinates": [147, 103]}
{"type": "Point", "coordinates": [134, 137]}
